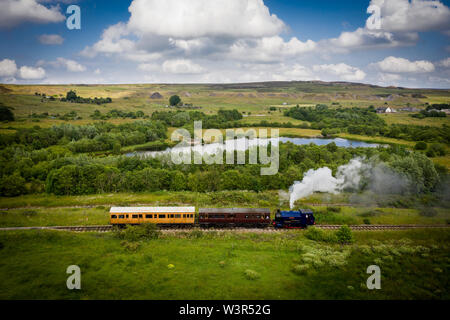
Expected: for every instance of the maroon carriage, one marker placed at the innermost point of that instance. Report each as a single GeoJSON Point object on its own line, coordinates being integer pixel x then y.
{"type": "Point", "coordinates": [234, 218]}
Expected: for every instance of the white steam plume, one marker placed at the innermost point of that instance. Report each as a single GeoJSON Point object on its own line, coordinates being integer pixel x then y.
{"type": "Point", "coordinates": [322, 180]}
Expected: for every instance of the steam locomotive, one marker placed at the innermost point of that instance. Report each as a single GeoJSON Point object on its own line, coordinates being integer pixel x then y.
{"type": "Point", "coordinates": [185, 217]}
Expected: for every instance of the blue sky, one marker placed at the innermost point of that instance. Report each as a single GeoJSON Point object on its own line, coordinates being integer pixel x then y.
{"type": "Point", "coordinates": [212, 41]}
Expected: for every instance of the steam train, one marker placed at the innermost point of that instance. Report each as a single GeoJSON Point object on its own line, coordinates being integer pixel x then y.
{"type": "Point", "coordinates": [185, 217]}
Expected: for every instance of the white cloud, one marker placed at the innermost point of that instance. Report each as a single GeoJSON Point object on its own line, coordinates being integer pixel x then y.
{"type": "Point", "coordinates": [204, 18]}
{"type": "Point", "coordinates": [445, 63]}
{"type": "Point", "coordinates": [401, 20]}
{"type": "Point", "coordinates": [413, 16]}
{"type": "Point", "coordinates": [389, 78]}
{"type": "Point", "coordinates": [70, 65]}
{"type": "Point", "coordinates": [51, 39]}
{"type": "Point", "coordinates": [111, 41]}
{"type": "Point", "coordinates": [341, 71]}
{"type": "Point", "coordinates": [401, 65]}
{"type": "Point", "coordinates": [8, 68]}
{"type": "Point", "coordinates": [363, 38]}
{"type": "Point", "coordinates": [236, 29]}
{"type": "Point", "coordinates": [182, 66]}
{"type": "Point", "coordinates": [270, 49]}
{"type": "Point", "coordinates": [15, 12]}
{"type": "Point", "coordinates": [31, 73]}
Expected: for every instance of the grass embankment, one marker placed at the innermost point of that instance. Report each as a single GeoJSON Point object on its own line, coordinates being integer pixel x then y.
{"type": "Point", "coordinates": [50, 210]}
{"type": "Point", "coordinates": [217, 199]}
{"type": "Point", "coordinates": [414, 265]}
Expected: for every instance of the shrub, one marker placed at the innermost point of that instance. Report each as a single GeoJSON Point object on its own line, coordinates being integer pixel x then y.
{"type": "Point", "coordinates": [130, 246]}
{"type": "Point", "coordinates": [421, 146]}
{"type": "Point", "coordinates": [428, 212]}
{"type": "Point", "coordinates": [344, 235]}
{"type": "Point", "coordinates": [196, 234]}
{"type": "Point", "coordinates": [147, 231]}
{"type": "Point", "coordinates": [300, 269]}
{"type": "Point", "coordinates": [366, 221]}
{"type": "Point", "coordinates": [334, 209]}
{"type": "Point", "coordinates": [251, 275]}
{"type": "Point", "coordinates": [316, 234]}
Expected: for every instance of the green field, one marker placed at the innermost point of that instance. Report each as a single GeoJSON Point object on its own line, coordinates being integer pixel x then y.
{"type": "Point", "coordinates": [221, 265]}
{"type": "Point", "coordinates": [195, 265]}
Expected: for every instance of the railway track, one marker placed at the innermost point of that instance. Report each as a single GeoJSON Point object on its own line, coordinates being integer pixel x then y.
{"type": "Point", "coordinates": [108, 228]}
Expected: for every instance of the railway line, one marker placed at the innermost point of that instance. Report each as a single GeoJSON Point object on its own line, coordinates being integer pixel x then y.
{"type": "Point", "coordinates": [108, 228]}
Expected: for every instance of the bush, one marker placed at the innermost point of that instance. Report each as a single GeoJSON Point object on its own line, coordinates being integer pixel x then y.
{"type": "Point", "coordinates": [174, 100]}
{"type": "Point", "coordinates": [130, 246]}
{"type": "Point", "coordinates": [147, 231]}
{"type": "Point", "coordinates": [251, 275]}
{"type": "Point", "coordinates": [428, 212]}
{"type": "Point", "coordinates": [421, 146]}
{"type": "Point", "coordinates": [344, 235]}
{"type": "Point", "coordinates": [300, 269]}
{"type": "Point", "coordinates": [196, 234]}
{"type": "Point", "coordinates": [316, 234]}
{"type": "Point", "coordinates": [334, 209]}
{"type": "Point", "coordinates": [366, 221]}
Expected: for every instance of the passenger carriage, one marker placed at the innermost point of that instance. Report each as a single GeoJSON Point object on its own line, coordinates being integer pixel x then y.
{"type": "Point", "coordinates": [162, 216]}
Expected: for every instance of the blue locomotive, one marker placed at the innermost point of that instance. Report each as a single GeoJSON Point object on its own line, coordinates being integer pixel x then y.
{"type": "Point", "coordinates": [294, 219]}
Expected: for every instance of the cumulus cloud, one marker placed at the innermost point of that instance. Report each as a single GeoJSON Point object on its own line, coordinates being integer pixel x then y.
{"type": "Point", "coordinates": [8, 68]}
{"type": "Point", "coordinates": [31, 73]}
{"type": "Point", "coordinates": [51, 39]}
{"type": "Point", "coordinates": [341, 71]}
{"type": "Point", "coordinates": [401, 20]}
{"type": "Point", "coordinates": [413, 16]}
{"type": "Point", "coordinates": [445, 63]}
{"type": "Point", "coordinates": [204, 18]}
{"type": "Point", "coordinates": [182, 66]}
{"type": "Point", "coordinates": [401, 65]}
{"type": "Point", "coordinates": [70, 65]}
{"type": "Point", "coordinates": [269, 49]}
{"type": "Point", "coordinates": [15, 12]}
{"type": "Point", "coordinates": [363, 38]}
{"type": "Point", "coordinates": [233, 29]}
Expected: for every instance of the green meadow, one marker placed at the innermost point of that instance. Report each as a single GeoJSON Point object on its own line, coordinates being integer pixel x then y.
{"type": "Point", "coordinates": [197, 265]}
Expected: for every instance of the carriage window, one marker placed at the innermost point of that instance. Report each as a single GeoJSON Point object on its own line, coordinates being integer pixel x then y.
{"type": "Point", "coordinates": [171, 216]}
{"type": "Point", "coordinates": [184, 216]}
{"type": "Point", "coordinates": [178, 216]}
{"type": "Point", "coordinates": [113, 216]}
{"type": "Point", "coordinates": [121, 216]}
{"type": "Point", "coordinates": [149, 216]}
{"type": "Point", "coordinates": [191, 216]}
{"type": "Point", "coordinates": [246, 217]}
{"type": "Point", "coordinates": [127, 216]}
{"type": "Point", "coordinates": [135, 216]}
{"type": "Point", "coordinates": [257, 217]}
{"type": "Point", "coordinates": [140, 216]}
{"type": "Point", "coordinates": [162, 216]}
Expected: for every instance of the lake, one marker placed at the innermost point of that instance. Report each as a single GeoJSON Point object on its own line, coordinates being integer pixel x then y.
{"type": "Point", "coordinates": [243, 144]}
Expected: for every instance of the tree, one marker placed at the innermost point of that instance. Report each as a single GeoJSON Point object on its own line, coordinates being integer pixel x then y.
{"type": "Point", "coordinates": [6, 114]}
{"type": "Point", "coordinates": [71, 96]}
{"type": "Point", "coordinates": [175, 100]}
{"type": "Point", "coordinates": [12, 186]}
{"type": "Point", "coordinates": [421, 146]}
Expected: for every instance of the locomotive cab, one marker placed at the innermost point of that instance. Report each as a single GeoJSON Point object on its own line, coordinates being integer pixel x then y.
{"type": "Point", "coordinates": [294, 219]}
